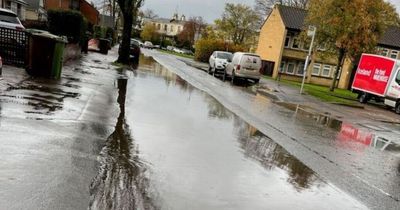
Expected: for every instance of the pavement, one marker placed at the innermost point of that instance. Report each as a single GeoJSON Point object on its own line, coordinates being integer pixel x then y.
{"type": "Point", "coordinates": [52, 132]}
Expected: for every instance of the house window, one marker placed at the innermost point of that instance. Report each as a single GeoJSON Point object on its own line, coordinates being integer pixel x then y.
{"type": "Point", "coordinates": [165, 27]}
{"type": "Point", "coordinates": [290, 68]}
{"type": "Point", "coordinates": [158, 26]}
{"type": "Point", "coordinates": [326, 71]}
{"type": "Point", "coordinates": [300, 69]}
{"type": "Point", "coordinates": [172, 28]}
{"type": "Point", "coordinates": [394, 54]}
{"type": "Point", "coordinates": [296, 43]}
{"type": "Point", "coordinates": [287, 41]}
{"type": "Point", "coordinates": [385, 52]}
{"type": "Point", "coordinates": [282, 67]}
{"type": "Point", "coordinates": [316, 69]}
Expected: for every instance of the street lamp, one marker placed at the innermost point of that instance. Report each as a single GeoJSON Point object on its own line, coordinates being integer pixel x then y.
{"type": "Point", "coordinates": [312, 30]}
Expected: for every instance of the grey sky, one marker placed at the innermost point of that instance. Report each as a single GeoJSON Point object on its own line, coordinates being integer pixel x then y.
{"type": "Point", "coordinates": [208, 9]}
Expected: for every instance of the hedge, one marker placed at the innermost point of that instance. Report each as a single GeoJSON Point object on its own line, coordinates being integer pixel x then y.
{"type": "Point", "coordinates": [205, 47]}
{"type": "Point", "coordinates": [67, 23]}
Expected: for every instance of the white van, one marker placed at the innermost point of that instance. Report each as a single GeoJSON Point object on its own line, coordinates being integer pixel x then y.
{"type": "Point", "coordinates": [244, 65]}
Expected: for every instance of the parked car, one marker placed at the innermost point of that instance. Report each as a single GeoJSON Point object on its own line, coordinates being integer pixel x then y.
{"type": "Point", "coordinates": [177, 50]}
{"type": "Point", "coordinates": [8, 19]}
{"type": "Point", "coordinates": [218, 62]}
{"type": "Point", "coordinates": [135, 49]}
{"type": "Point", "coordinates": [187, 52]}
{"type": "Point", "coordinates": [138, 42]}
{"type": "Point", "coordinates": [244, 66]}
{"type": "Point", "coordinates": [148, 45]}
{"type": "Point", "coordinates": [170, 48]}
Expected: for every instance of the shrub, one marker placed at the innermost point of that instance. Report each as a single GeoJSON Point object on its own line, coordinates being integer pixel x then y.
{"type": "Point", "coordinates": [205, 47]}
{"type": "Point", "coordinates": [67, 23]}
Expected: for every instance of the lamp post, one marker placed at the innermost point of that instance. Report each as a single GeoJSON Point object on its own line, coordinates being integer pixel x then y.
{"type": "Point", "coordinates": [312, 30]}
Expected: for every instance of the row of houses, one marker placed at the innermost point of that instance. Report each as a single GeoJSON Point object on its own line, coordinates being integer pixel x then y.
{"type": "Point", "coordinates": [283, 53]}
{"type": "Point", "coordinates": [35, 10]}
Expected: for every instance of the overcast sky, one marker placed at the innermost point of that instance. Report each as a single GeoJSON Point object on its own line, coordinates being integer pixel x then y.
{"type": "Point", "coordinates": [208, 9]}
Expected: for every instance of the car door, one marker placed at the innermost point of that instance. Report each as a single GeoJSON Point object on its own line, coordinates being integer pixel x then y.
{"type": "Point", "coordinates": [212, 59]}
{"type": "Point", "coordinates": [393, 92]}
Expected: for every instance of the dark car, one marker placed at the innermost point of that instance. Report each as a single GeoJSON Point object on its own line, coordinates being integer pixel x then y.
{"type": "Point", "coordinates": [135, 49]}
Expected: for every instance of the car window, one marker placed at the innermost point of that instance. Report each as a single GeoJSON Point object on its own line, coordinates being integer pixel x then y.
{"type": "Point", "coordinates": [9, 18]}
{"type": "Point", "coordinates": [226, 56]}
{"type": "Point", "coordinates": [398, 77]}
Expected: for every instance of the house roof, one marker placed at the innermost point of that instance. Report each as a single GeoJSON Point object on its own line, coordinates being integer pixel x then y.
{"type": "Point", "coordinates": [391, 37]}
{"type": "Point", "coordinates": [292, 17]}
{"type": "Point", "coordinates": [165, 20]}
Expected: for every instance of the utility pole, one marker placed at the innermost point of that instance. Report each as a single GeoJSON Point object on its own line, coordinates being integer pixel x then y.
{"type": "Point", "coordinates": [312, 30]}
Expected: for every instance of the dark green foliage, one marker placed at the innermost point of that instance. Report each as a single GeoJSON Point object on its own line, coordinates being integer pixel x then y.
{"type": "Point", "coordinates": [67, 23]}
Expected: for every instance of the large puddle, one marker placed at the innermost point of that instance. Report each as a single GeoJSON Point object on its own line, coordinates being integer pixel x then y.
{"type": "Point", "coordinates": [175, 147]}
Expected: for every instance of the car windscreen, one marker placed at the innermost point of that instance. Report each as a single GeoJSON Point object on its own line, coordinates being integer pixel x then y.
{"type": "Point", "coordinates": [226, 56]}
{"type": "Point", "coordinates": [8, 17]}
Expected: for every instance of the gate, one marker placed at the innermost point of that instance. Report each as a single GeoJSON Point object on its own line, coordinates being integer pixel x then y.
{"type": "Point", "coordinates": [13, 46]}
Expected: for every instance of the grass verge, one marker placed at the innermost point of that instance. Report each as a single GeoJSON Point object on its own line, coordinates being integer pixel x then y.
{"type": "Point", "coordinates": [323, 93]}
{"type": "Point", "coordinates": [177, 54]}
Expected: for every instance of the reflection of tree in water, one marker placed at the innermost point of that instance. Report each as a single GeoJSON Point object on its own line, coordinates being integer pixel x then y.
{"type": "Point", "coordinates": [257, 146]}
{"type": "Point", "coordinates": [121, 182]}
{"type": "Point", "coordinates": [216, 109]}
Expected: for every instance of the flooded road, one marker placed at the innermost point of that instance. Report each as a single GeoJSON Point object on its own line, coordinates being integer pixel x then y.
{"type": "Point", "coordinates": [176, 147]}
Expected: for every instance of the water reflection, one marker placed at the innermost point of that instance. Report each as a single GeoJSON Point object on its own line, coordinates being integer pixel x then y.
{"type": "Point", "coordinates": [261, 148]}
{"type": "Point", "coordinates": [346, 133]}
{"type": "Point", "coordinates": [121, 182]}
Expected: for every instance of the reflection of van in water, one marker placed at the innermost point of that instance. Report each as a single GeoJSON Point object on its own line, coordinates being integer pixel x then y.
{"type": "Point", "coordinates": [244, 65]}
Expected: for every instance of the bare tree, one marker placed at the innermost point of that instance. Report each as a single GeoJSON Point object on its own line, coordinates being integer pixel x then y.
{"type": "Point", "coordinates": [148, 13]}
{"type": "Point", "coordinates": [264, 7]}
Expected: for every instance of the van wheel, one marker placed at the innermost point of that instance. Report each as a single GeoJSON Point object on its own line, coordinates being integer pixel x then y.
{"type": "Point", "coordinates": [397, 109]}
{"type": "Point", "coordinates": [363, 98]}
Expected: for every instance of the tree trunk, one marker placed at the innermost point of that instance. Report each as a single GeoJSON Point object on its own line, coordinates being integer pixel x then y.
{"type": "Point", "coordinates": [339, 66]}
{"type": "Point", "coordinates": [126, 37]}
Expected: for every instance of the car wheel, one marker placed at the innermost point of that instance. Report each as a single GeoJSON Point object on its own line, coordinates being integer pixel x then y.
{"type": "Point", "coordinates": [363, 98]}
{"type": "Point", "coordinates": [224, 76]}
{"type": "Point", "coordinates": [256, 81]}
{"type": "Point", "coordinates": [397, 109]}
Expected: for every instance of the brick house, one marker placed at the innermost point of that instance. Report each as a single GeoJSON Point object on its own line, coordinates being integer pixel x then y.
{"type": "Point", "coordinates": [282, 50]}
{"type": "Point", "coordinates": [87, 10]}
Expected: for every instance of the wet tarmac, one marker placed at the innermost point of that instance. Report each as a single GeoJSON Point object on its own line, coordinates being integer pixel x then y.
{"type": "Point", "coordinates": [176, 147]}
{"type": "Point", "coordinates": [109, 138]}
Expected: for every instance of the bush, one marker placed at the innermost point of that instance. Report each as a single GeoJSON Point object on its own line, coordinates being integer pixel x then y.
{"type": "Point", "coordinates": [205, 47]}
{"type": "Point", "coordinates": [67, 23]}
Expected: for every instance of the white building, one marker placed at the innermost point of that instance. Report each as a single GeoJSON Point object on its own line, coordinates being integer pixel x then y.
{"type": "Point", "coordinates": [168, 26]}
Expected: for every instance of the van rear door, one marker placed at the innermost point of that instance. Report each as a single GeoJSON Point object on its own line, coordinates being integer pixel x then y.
{"type": "Point", "coordinates": [250, 63]}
